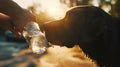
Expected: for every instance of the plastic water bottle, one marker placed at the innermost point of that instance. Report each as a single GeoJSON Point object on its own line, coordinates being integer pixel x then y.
{"type": "Point", "coordinates": [35, 38]}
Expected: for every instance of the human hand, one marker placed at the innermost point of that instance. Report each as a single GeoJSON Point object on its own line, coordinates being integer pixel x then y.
{"type": "Point", "coordinates": [5, 22]}
{"type": "Point", "coordinates": [21, 21]}
{"type": "Point", "coordinates": [17, 18]}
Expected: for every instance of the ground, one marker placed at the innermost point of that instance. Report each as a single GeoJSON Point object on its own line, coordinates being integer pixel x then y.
{"type": "Point", "coordinates": [15, 54]}
{"type": "Point", "coordinates": [54, 57]}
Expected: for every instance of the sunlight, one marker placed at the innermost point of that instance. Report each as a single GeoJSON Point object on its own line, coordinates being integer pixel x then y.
{"type": "Point", "coordinates": [24, 3]}
{"type": "Point", "coordinates": [95, 2]}
{"type": "Point", "coordinates": [53, 8]}
{"type": "Point", "coordinates": [56, 12]}
{"type": "Point", "coordinates": [106, 8]}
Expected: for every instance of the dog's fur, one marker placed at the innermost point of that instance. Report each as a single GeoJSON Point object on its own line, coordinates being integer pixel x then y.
{"type": "Point", "coordinates": [96, 32]}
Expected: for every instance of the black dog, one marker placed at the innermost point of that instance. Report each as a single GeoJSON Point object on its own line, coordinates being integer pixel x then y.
{"type": "Point", "coordinates": [96, 32]}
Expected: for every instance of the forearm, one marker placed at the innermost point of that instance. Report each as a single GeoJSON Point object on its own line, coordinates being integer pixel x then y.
{"type": "Point", "coordinates": [10, 8]}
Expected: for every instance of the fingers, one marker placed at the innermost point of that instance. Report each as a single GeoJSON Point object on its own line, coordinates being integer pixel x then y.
{"type": "Point", "coordinates": [18, 34]}
{"type": "Point", "coordinates": [16, 30]}
{"type": "Point", "coordinates": [13, 30]}
{"type": "Point", "coordinates": [18, 23]}
{"type": "Point", "coordinates": [6, 25]}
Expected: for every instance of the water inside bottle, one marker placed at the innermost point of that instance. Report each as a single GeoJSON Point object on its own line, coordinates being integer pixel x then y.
{"type": "Point", "coordinates": [35, 38]}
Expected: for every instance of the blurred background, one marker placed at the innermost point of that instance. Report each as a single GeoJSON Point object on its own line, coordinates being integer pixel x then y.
{"type": "Point", "coordinates": [47, 10]}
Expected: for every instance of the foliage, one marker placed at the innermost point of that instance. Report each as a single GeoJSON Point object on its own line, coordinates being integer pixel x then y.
{"type": "Point", "coordinates": [110, 6]}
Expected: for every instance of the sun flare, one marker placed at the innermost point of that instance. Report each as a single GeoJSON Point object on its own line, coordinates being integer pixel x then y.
{"type": "Point", "coordinates": [56, 12]}
{"type": "Point", "coordinates": [53, 8]}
